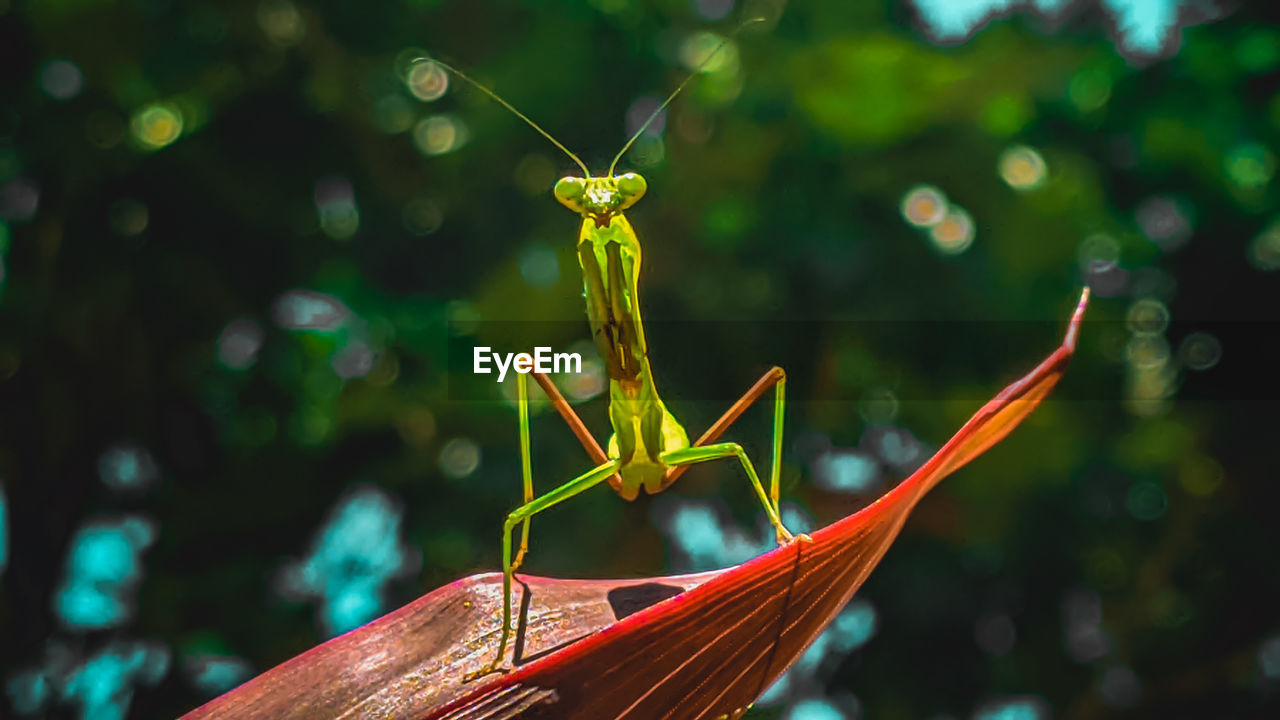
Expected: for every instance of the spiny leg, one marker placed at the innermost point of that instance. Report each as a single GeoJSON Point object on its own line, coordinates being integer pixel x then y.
{"type": "Point", "coordinates": [522, 514]}
{"type": "Point", "coordinates": [575, 424]}
{"type": "Point", "coordinates": [775, 377]}
{"type": "Point", "coordinates": [526, 463]}
{"type": "Point", "coordinates": [691, 455]}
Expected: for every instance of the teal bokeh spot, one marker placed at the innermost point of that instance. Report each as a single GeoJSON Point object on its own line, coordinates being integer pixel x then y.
{"type": "Point", "coordinates": [696, 529]}
{"type": "Point", "coordinates": [354, 556]}
{"type": "Point", "coordinates": [102, 571]}
{"type": "Point", "coordinates": [1013, 709]}
{"type": "Point", "coordinates": [846, 471]}
{"type": "Point", "coordinates": [103, 686]}
{"type": "Point", "coordinates": [216, 674]}
{"type": "Point", "coordinates": [1144, 25]}
{"type": "Point", "coordinates": [1269, 657]}
{"type": "Point", "coordinates": [814, 709]}
{"type": "Point", "coordinates": [777, 692]}
{"type": "Point", "coordinates": [28, 691]}
{"type": "Point", "coordinates": [309, 310]}
{"type": "Point", "coordinates": [126, 467]}
{"type": "Point", "coordinates": [854, 626]}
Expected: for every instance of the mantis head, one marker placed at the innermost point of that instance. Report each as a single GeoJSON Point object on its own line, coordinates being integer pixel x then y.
{"type": "Point", "coordinates": [600, 197]}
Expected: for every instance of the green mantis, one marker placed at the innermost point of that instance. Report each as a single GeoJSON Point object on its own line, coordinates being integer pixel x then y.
{"type": "Point", "coordinates": [649, 448]}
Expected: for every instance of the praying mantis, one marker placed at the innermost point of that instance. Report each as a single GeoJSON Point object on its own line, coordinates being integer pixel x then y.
{"type": "Point", "coordinates": [649, 448]}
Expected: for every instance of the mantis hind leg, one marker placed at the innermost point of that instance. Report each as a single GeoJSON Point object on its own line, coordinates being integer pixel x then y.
{"type": "Point", "coordinates": [692, 455]}
{"type": "Point", "coordinates": [775, 378]}
{"type": "Point", "coordinates": [521, 516]}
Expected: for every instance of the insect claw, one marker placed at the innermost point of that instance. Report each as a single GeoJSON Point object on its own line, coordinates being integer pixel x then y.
{"type": "Point", "coordinates": [788, 538]}
{"type": "Point", "coordinates": [477, 674]}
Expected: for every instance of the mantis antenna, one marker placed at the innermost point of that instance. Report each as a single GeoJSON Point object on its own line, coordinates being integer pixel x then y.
{"type": "Point", "coordinates": [517, 113]}
{"type": "Point", "coordinates": [654, 115]}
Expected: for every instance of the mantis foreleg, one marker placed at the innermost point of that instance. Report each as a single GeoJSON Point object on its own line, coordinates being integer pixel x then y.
{"type": "Point", "coordinates": [522, 514]}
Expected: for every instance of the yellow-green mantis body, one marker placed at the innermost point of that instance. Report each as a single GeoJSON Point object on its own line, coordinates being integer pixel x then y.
{"type": "Point", "coordinates": [649, 448]}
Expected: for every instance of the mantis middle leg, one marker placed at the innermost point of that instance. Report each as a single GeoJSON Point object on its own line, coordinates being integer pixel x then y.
{"type": "Point", "coordinates": [776, 377]}
{"type": "Point", "coordinates": [691, 455]}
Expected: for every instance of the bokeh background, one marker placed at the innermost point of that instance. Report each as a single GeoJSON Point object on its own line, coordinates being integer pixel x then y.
{"type": "Point", "coordinates": [242, 243]}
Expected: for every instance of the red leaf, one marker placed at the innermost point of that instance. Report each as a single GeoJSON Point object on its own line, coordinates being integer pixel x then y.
{"type": "Point", "coordinates": [690, 646]}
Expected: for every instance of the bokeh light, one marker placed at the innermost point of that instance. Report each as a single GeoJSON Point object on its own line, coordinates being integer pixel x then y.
{"type": "Point", "coordinates": [1264, 251]}
{"type": "Point", "coordinates": [1200, 475]}
{"type": "Point", "coordinates": [239, 343]}
{"type": "Point", "coordinates": [1200, 351]}
{"type": "Point", "coordinates": [924, 206]}
{"type": "Point", "coordinates": [712, 10]}
{"type": "Point", "coordinates": [954, 233]}
{"type": "Point", "coordinates": [102, 573]}
{"type": "Point", "coordinates": [896, 446]}
{"type": "Point", "coordinates": [995, 633]}
{"type": "Point", "coordinates": [1269, 657]}
{"type": "Point", "coordinates": [1165, 221]}
{"type": "Point", "coordinates": [19, 199]}
{"type": "Point", "coordinates": [709, 53]}
{"type": "Point", "coordinates": [1022, 168]}
{"type": "Point", "coordinates": [1098, 254]}
{"type": "Point", "coordinates": [336, 209]}
{"type": "Point", "coordinates": [592, 381]}
{"type": "Point", "coordinates": [459, 458]}
{"type": "Point", "coordinates": [1083, 636]}
{"type": "Point", "coordinates": [309, 310]}
{"type": "Point", "coordinates": [281, 22]}
{"type": "Point", "coordinates": [157, 125]}
{"type": "Point", "coordinates": [61, 79]}
{"type": "Point", "coordinates": [539, 266]}
{"type": "Point", "coordinates": [640, 111]}
{"type": "Point", "coordinates": [103, 685]}
{"type": "Point", "coordinates": [1090, 89]}
{"type": "Point", "coordinates": [1147, 316]}
{"type": "Point", "coordinates": [1250, 166]}
{"type": "Point", "coordinates": [353, 557]}
{"type": "Point", "coordinates": [1014, 708]}
{"type": "Point", "coordinates": [426, 80]}
{"type": "Point", "coordinates": [216, 674]}
{"type": "Point", "coordinates": [535, 175]}
{"type": "Point", "coordinates": [1120, 687]}
{"type": "Point", "coordinates": [354, 360]}
{"type": "Point", "coordinates": [127, 467]}
{"type": "Point", "coordinates": [439, 134]}
{"type": "Point", "coordinates": [814, 709]}
{"type": "Point", "coordinates": [846, 471]}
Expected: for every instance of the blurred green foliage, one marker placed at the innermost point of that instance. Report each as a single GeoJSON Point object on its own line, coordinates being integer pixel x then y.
{"type": "Point", "coordinates": [173, 174]}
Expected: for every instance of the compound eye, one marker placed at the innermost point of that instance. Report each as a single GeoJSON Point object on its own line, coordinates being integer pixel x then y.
{"type": "Point", "coordinates": [631, 187]}
{"type": "Point", "coordinates": [569, 191]}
